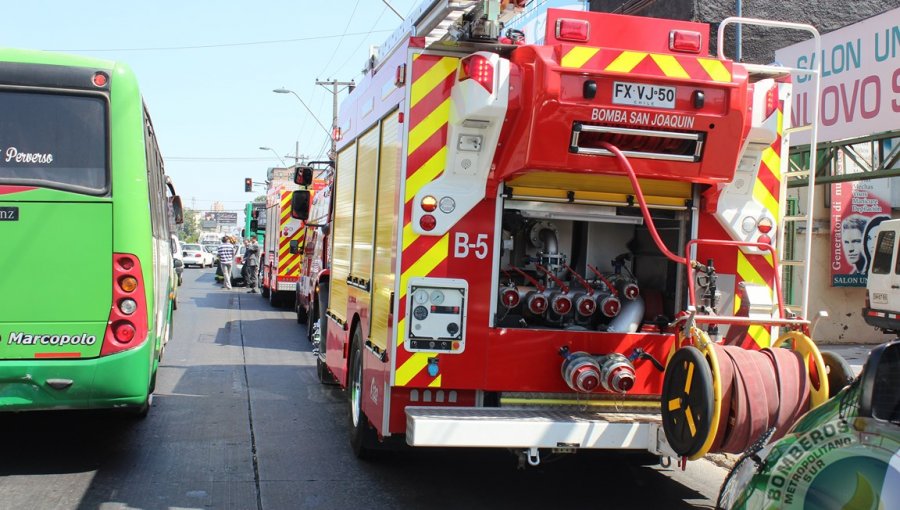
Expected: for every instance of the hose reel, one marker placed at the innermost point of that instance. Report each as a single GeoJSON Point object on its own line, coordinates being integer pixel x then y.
{"type": "Point", "coordinates": [719, 398]}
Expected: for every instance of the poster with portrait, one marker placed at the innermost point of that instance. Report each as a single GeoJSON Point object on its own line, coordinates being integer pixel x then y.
{"type": "Point", "coordinates": [857, 210]}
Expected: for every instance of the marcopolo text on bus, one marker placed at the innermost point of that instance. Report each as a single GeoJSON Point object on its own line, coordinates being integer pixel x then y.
{"type": "Point", "coordinates": [25, 339]}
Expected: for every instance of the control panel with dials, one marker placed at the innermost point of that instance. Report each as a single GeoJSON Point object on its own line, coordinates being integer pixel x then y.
{"type": "Point", "coordinates": [436, 315]}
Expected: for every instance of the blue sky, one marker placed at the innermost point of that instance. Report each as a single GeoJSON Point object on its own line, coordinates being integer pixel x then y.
{"type": "Point", "coordinates": [213, 107]}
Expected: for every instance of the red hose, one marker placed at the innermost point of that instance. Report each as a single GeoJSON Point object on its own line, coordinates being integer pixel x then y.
{"type": "Point", "coordinates": [623, 162]}
{"type": "Point", "coordinates": [760, 390]}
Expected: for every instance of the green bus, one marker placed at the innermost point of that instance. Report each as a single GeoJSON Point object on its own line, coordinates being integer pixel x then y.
{"type": "Point", "coordinates": [86, 215]}
{"type": "Point", "coordinates": [252, 224]}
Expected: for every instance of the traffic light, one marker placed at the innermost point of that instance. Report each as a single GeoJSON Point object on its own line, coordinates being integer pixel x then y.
{"type": "Point", "coordinates": [248, 184]}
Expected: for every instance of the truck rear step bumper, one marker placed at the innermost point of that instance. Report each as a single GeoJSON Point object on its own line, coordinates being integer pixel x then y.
{"type": "Point", "coordinates": [534, 428]}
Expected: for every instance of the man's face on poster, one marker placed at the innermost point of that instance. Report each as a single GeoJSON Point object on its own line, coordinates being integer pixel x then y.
{"type": "Point", "coordinates": [853, 243]}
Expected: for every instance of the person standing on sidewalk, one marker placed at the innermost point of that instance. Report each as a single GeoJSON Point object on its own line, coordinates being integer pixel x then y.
{"type": "Point", "coordinates": [226, 258]}
{"type": "Point", "coordinates": [251, 264]}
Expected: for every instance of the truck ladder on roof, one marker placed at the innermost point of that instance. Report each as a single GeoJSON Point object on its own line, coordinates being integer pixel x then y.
{"type": "Point", "coordinates": [815, 73]}
{"type": "Point", "coordinates": [441, 22]}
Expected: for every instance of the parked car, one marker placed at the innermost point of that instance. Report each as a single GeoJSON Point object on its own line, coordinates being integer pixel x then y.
{"type": "Point", "coordinates": [237, 267]}
{"type": "Point", "coordinates": [195, 255]}
{"type": "Point", "coordinates": [842, 454]}
{"type": "Point", "coordinates": [214, 250]}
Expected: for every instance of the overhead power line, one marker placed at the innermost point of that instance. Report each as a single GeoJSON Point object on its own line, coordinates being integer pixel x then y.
{"type": "Point", "coordinates": [213, 158]}
{"type": "Point", "coordinates": [338, 45]}
{"type": "Point", "coordinates": [224, 45]}
{"type": "Point", "coordinates": [354, 53]}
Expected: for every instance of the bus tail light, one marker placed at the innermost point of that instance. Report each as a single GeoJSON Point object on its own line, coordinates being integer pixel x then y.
{"type": "Point", "coordinates": [123, 331]}
{"type": "Point", "coordinates": [127, 325]}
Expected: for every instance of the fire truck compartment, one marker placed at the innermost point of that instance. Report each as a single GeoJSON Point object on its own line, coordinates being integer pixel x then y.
{"type": "Point", "coordinates": [585, 261]}
{"type": "Point", "coordinates": [528, 428]}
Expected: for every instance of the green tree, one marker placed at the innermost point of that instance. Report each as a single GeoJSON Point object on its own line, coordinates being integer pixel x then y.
{"type": "Point", "coordinates": [191, 224]}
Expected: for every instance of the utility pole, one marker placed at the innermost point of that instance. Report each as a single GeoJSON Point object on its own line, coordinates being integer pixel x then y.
{"type": "Point", "coordinates": [297, 157]}
{"type": "Point", "coordinates": [334, 89]}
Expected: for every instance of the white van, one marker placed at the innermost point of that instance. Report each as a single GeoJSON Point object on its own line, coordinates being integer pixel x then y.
{"type": "Point", "coordinates": [883, 287]}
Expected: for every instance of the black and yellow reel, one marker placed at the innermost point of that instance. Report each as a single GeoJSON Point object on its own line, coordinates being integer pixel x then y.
{"type": "Point", "coordinates": [692, 394]}
{"type": "Point", "coordinates": [695, 419]}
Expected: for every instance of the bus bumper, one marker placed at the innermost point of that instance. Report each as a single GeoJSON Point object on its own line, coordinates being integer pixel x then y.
{"type": "Point", "coordinates": [118, 380]}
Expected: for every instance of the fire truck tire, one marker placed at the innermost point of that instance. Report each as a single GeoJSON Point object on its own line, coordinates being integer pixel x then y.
{"type": "Point", "coordinates": [302, 315]}
{"type": "Point", "coordinates": [311, 317]}
{"type": "Point", "coordinates": [839, 372]}
{"type": "Point", "coordinates": [323, 374]}
{"type": "Point", "coordinates": [687, 401]}
{"type": "Point", "coordinates": [362, 435]}
{"type": "Point", "coordinates": [322, 307]}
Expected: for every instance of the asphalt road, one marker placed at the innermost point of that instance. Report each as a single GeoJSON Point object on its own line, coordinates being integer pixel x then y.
{"type": "Point", "coordinates": [239, 421]}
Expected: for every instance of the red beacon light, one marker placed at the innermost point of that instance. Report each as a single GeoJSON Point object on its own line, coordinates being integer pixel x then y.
{"type": "Point", "coordinates": [685, 41]}
{"type": "Point", "coordinates": [479, 68]}
{"type": "Point", "coordinates": [576, 30]}
{"type": "Point", "coordinates": [100, 79]}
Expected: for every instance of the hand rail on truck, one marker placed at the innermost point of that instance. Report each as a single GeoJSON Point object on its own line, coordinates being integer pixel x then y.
{"type": "Point", "coordinates": [815, 72]}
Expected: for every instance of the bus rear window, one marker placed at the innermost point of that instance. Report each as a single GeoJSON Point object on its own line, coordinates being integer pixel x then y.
{"type": "Point", "coordinates": [54, 140]}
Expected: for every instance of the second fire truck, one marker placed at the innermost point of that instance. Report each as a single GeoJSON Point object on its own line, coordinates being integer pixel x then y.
{"type": "Point", "coordinates": [283, 239]}
{"type": "Point", "coordinates": [564, 245]}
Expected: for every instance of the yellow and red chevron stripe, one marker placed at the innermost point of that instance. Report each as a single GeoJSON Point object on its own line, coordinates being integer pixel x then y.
{"type": "Point", "coordinates": [767, 191]}
{"type": "Point", "coordinates": [288, 263]}
{"type": "Point", "coordinates": [429, 113]}
{"type": "Point", "coordinates": [642, 62]}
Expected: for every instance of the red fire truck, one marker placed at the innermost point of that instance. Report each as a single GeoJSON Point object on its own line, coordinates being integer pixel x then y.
{"type": "Point", "coordinates": [314, 264]}
{"type": "Point", "coordinates": [565, 245]}
{"type": "Point", "coordinates": [284, 236]}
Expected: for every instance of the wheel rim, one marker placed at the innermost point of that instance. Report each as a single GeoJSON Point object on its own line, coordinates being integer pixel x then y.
{"type": "Point", "coordinates": [355, 390]}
